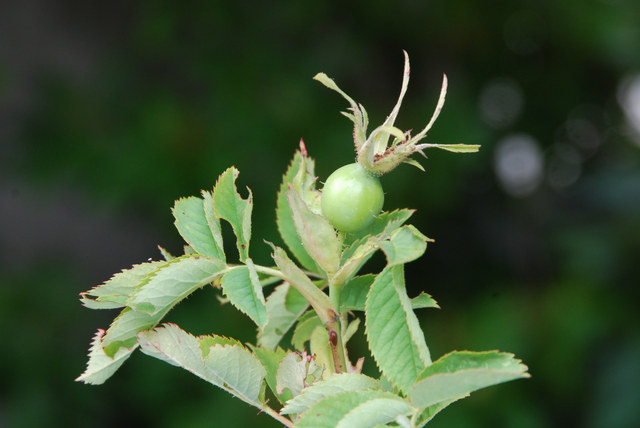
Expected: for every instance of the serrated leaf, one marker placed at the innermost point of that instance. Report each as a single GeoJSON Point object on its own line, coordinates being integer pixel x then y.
{"type": "Point", "coordinates": [386, 222]}
{"type": "Point", "coordinates": [331, 411]}
{"type": "Point", "coordinates": [173, 281]}
{"type": "Point", "coordinates": [393, 331]}
{"type": "Point", "coordinates": [284, 217]}
{"type": "Point", "coordinates": [406, 244]}
{"type": "Point", "coordinates": [242, 286]}
{"type": "Point", "coordinates": [303, 330]}
{"type": "Point", "coordinates": [354, 293]}
{"type": "Point", "coordinates": [165, 254]}
{"type": "Point", "coordinates": [378, 411]}
{"type": "Point", "coordinates": [298, 279]}
{"type": "Point", "coordinates": [318, 237]}
{"type": "Point", "coordinates": [100, 366]}
{"type": "Point", "coordinates": [212, 220]}
{"type": "Point", "coordinates": [295, 372]}
{"type": "Point", "coordinates": [428, 413]}
{"type": "Point", "coordinates": [362, 245]}
{"type": "Point", "coordinates": [240, 371]}
{"type": "Point", "coordinates": [206, 342]}
{"type": "Point", "coordinates": [195, 227]}
{"type": "Point", "coordinates": [270, 360]}
{"type": "Point", "coordinates": [229, 205]}
{"type": "Point", "coordinates": [115, 292]}
{"type": "Point", "coordinates": [161, 291]}
{"type": "Point", "coordinates": [230, 367]}
{"type": "Point", "coordinates": [423, 300]}
{"type": "Point", "coordinates": [124, 328]}
{"type": "Point", "coordinates": [342, 382]}
{"type": "Point", "coordinates": [460, 373]}
{"type": "Point", "coordinates": [284, 306]}
{"type": "Point", "coordinates": [363, 251]}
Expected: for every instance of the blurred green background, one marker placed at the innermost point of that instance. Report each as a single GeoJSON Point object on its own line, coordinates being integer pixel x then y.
{"type": "Point", "coordinates": [109, 111]}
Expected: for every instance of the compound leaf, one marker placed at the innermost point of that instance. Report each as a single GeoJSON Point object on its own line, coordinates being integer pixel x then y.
{"type": "Point", "coordinates": [163, 289]}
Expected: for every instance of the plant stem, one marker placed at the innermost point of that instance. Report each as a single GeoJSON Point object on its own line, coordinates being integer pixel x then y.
{"type": "Point", "coordinates": [277, 416]}
{"type": "Point", "coordinates": [270, 271]}
{"type": "Point", "coordinates": [335, 331]}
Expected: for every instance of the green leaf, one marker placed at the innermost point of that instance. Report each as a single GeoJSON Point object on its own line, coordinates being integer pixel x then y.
{"type": "Point", "coordinates": [101, 366]}
{"type": "Point", "coordinates": [115, 292]}
{"type": "Point", "coordinates": [354, 293]}
{"type": "Point", "coordinates": [361, 249]}
{"type": "Point", "coordinates": [315, 232]}
{"type": "Point", "coordinates": [352, 328]}
{"type": "Point", "coordinates": [376, 412]}
{"type": "Point", "coordinates": [335, 384]}
{"type": "Point", "coordinates": [284, 306]}
{"type": "Point", "coordinates": [393, 331]}
{"type": "Point", "coordinates": [206, 342]}
{"type": "Point", "coordinates": [298, 279]}
{"type": "Point", "coordinates": [386, 222]}
{"type": "Point", "coordinates": [423, 300]}
{"type": "Point", "coordinates": [303, 330]}
{"type": "Point", "coordinates": [406, 244]}
{"type": "Point", "coordinates": [460, 373]}
{"type": "Point", "coordinates": [354, 409]}
{"type": "Point", "coordinates": [165, 254]}
{"type": "Point", "coordinates": [270, 360]}
{"type": "Point", "coordinates": [174, 281]}
{"type": "Point", "coordinates": [240, 371]}
{"type": "Point", "coordinates": [284, 217]}
{"type": "Point", "coordinates": [295, 372]}
{"type": "Point", "coordinates": [242, 286]}
{"type": "Point", "coordinates": [194, 225]}
{"type": "Point", "coordinates": [212, 220]}
{"type": "Point", "coordinates": [229, 205]}
{"type": "Point", "coordinates": [163, 289]}
{"type": "Point", "coordinates": [428, 413]}
{"type": "Point", "coordinates": [230, 367]}
{"type": "Point", "coordinates": [320, 346]}
{"type": "Point", "coordinates": [124, 328]}
{"type": "Point", "coordinates": [456, 148]}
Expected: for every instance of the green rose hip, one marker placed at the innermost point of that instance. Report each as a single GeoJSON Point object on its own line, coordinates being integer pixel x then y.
{"type": "Point", "coordinates": [351, 198]}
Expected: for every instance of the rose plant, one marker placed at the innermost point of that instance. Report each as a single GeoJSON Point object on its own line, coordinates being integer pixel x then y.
{"type": "Point", "coordinates": [315, 290]}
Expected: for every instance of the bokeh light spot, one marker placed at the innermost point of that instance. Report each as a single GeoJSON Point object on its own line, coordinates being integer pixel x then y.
{"type": "Point", "coordinates": [519, 164]}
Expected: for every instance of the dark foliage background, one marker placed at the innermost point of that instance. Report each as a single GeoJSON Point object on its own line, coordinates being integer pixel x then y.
{"type": "Point", "coordinates": [109, 111]}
